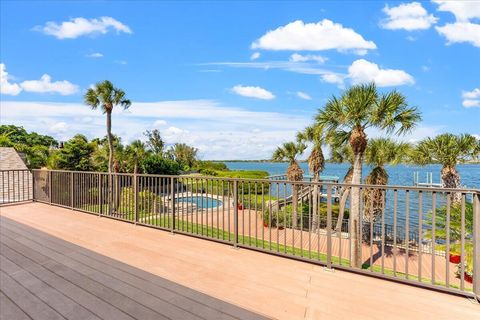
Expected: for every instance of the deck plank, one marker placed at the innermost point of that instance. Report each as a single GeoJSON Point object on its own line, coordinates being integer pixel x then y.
{"type": "Point", "coordinates": [106, 273]}
{"type": "Point", "coordinates": [200, 276]}
{"type": "Point", "coordinates": [64, 272]}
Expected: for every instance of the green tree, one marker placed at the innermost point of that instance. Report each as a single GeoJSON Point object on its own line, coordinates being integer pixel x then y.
{"type": "Point", "coordinates": [105, 96]}
{"type": "Point", "coordinates": [448, 150]}
{"type": "Point", "coordinates": [347, 117]}
{"type": "Point", "coordinates": [154, 141]}
{"type": "Point", "coordinates": [156, 164]}
{"type": "Point", "coordinates": [184, 154]}
{"type": "Point", "coordinates": [316, 164]}
{"type": "Point", "coordinates": [289, 151]}
{"type": "Point", "coordinates": [136, 151]}
{"type": "Point", "coordinates": [75, 155]}
{"type": "Point", "coordinates": [379, 152]}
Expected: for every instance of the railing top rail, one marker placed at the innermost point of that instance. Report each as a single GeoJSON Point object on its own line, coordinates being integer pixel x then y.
{"type": "Point", "coordinates": [299, 183]}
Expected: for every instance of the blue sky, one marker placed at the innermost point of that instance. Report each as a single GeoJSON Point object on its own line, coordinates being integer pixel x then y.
{"type": "Point", "coordinates": [234, 79]}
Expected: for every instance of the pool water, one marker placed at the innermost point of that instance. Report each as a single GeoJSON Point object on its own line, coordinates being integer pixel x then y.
{"type": "Point", "coordinates": [201, 202]}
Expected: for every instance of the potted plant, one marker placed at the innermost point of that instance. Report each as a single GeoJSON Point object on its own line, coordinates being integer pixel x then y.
{"type": "Point", "coordinates": [454, 256]}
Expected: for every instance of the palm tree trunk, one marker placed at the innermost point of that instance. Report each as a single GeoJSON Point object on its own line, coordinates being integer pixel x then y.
{"type": "Point", "coordinates": [355, 214]}
{"type": "Point", "coordinates": [343, 201]}
{"type": "Point", "coordinates": [315, 213]}
{"type": "Point", "coordinates": [451, 179]}
{"type": "Point", "coordinates": [110, 160]}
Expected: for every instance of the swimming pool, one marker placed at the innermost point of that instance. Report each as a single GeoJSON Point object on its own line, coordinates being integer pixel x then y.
{"type": "Point", "coordinates": [202, 202]}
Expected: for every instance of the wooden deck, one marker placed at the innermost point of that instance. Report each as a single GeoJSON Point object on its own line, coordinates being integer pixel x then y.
{"type": "Point", "coordinates": [56, 263]}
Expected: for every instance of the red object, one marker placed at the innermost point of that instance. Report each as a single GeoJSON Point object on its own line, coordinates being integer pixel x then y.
{"type": "Point", "coordinates": [454, 258]}
{"type": "Point", "coordinates": [468, 277]}
{"type": "Point", "coordinates": [240, 206]}
{"type": "Point", "coordinates": [265, 224]}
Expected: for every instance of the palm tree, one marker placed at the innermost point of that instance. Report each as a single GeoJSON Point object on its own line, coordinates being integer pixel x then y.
{"type": "Point", "coordinates": [135, 152]}
{"type": "Point", "coordinates": [342, 154]}
{"type": "Point", "coordinates": [359, 108]}
{"type": "Point", "coordinates": [448, 150]}
{"type": "Point", "coordinates": [105, 96]}
{"type": "Point", "coordinates": [289, 151]}
{"type": "Point", "coordinates": [379, 152]}
{"type": "Point", "coordinates": [316, 163]}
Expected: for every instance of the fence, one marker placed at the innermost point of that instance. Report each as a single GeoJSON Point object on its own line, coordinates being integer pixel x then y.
{"type": "Point", "coordinates": [15, 186]}
{"type": "Point", "coordinates": [427, 237]}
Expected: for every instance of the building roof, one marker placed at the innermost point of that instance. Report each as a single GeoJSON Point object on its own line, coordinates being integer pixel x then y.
{"type": "Point", "coordinates": [11, 160]}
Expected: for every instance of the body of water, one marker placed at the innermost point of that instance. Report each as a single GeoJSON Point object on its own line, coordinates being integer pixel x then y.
{"type": "Point", "coordinates": [398, 175]}
{"type": "Point", "coordinates": [407, 217]}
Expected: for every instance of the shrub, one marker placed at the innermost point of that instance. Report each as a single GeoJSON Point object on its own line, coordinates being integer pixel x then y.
{"type": "Point", "coordinates": [208, 172]}
{"type": "Point", "coordinates": [155, 164]}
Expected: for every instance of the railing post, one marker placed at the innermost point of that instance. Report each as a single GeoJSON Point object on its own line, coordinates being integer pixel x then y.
{"type": "Point", "coordinates": [329, 227]}
{"type": "Point", "coordinates": [476, 245]}
{"type": "Point", "coordinates": [235, 213]}
{"type": "Point", "coordinates": [135, 196]}
{"type": "Point", "coordinates": [71, 189]}
{"type": "Point", "coordinates": [172, 193]}
{"type": "Point", "coordinates": [50, 186]}
{"type": "Point", "coordinates": [33, 184]}
{"type": "Point", "coordinates": [100, 192]}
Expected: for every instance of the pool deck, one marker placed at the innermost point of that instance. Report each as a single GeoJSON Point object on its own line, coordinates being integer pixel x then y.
{"type": "Point", "coordinates": [57, 263]}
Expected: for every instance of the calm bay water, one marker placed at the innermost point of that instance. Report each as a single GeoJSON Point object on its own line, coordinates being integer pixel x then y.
{"type": "Point", "coordinates": [400, 175]}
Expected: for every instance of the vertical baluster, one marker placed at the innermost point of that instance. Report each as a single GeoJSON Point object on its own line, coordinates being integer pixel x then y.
{"type": "Point", "coordinates": [420, 234]}
{"type": "Point", "coordinates": [462, 245]}
{"type": "Point", "coordinates": [407, 240]}
{"type": "Point", "coordinates": [434, 212]}
{"type": "Point", "coordinates": [395, 250]}
{"type": "Point", "coordinates": [447, 241]}
{"type": "Point", "coordinates": [329, 226]}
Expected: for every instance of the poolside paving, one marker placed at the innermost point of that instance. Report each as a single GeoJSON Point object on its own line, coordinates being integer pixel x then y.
{"type": "Point", "coordinates": [61, 264]}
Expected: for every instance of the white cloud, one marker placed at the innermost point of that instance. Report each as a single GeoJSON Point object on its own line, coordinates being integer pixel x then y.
{"type": "Point", "coordinates": [6, 87]}
{"type": "Point", "coordinates": [95, 55]}
{"type": "Point", "coordinates": [461, 32]}
{"type": "Point", "coordinates": [212, 127]}
{"type": "Point", "coordinates": [255, 56]}
{"type": "Point", "coordinates": [309, 57]}
{"type": "Point", "coordinates": [407, 16]}
{"type": "Point", "coordinates": [59, 127]}
{"type": "Point", "coordinates": [253, 92]}
{"type": "Point", "coordinates": [78, 27]}
{"type": "Point", "coordinates": [362, 71]}
{"type": "Point", "coordinates": [159, 123]}
{"type": "Point", "coordinates": [45, 85]}
{"type": "Point", "coordinates": [463, 10]}
{"type": "Point", "coordinates": [323, 35]}
{"type": "Point", "coordinates": [334, 78]}
{"type": "Point", "coordinates": [122, 62]}
{"type": "Point", "coordinates": [303, 95]}
{"type": "Point", "coordinates": [471, 98]}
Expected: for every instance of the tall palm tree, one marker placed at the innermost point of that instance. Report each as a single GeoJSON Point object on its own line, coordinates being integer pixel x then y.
{"type": "Point", "coordinates": [347, 117]}
{"type": "Point", "coordinates": [105, 96]}
{"type": "Point", "coordinates": [136, 151]}
{"type": "Point", "coordinates": [316, 163]}
{"type": "Point", "coordinates": [379, 152]}
{"type": "Point", "coordinates": [290, 151]}
{"type": "Point", "coordinates": [448, 150]}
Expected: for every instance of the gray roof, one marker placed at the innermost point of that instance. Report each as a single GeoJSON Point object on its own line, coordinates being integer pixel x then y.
{"type": "Point", "coordinates": [11, 160]}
